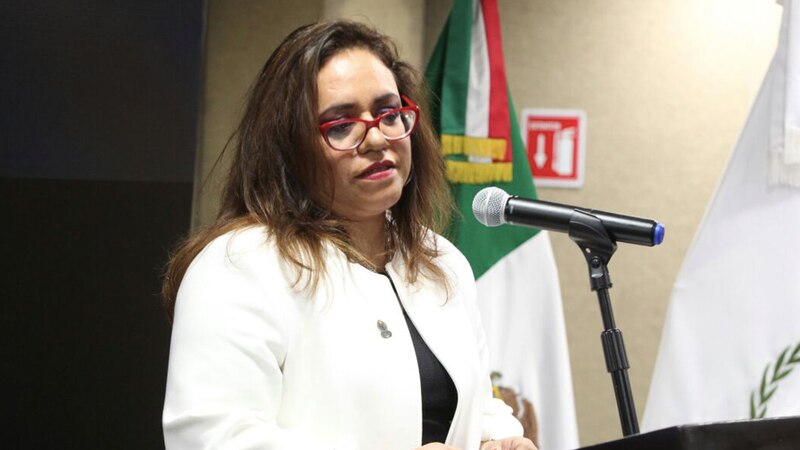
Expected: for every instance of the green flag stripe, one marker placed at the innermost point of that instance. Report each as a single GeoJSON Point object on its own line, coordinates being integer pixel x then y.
{"type": "Point", "coordinates": [456, 69]}
{"type": "Point", "coordinates": [434, 74]}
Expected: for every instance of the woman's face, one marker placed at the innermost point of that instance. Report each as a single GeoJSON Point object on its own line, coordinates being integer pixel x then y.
{"type": "Point", "coordinates": [368, 180]}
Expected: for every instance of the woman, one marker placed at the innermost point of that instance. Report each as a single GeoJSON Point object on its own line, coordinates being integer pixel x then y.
{"type": "Point", "coordinates": [320, 311]}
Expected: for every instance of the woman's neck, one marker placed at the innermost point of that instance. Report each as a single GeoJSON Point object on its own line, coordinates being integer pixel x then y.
{"type": "Point", "coordinates": [369, 238]}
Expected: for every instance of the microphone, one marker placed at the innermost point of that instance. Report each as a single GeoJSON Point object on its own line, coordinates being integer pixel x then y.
{"type": "Point", "coordinates": [493, 207]}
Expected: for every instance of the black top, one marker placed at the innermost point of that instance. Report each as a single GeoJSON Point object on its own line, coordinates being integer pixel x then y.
{"type": "Point", "coordinates": [439, 395]}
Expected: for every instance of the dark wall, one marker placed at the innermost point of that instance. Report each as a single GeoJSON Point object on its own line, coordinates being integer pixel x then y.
{"type": "Point", "coordinates": [98, 125]}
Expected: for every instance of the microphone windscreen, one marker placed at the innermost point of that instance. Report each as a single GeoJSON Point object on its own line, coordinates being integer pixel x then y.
{"type": "Point", "coordinates": [489, 206]}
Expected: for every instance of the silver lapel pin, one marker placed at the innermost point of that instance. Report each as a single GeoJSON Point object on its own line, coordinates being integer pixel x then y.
{"type": "Point", "coordinates": [385, 333]}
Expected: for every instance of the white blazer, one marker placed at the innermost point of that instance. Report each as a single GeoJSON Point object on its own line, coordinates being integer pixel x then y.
{"type": "Point", "coordinates": [255, 364]}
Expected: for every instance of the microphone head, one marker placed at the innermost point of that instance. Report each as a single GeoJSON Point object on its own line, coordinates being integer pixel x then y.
{"type": "Point", "coordinates": [489, 206]}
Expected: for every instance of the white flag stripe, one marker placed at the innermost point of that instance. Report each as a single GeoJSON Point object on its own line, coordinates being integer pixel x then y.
{"type": "Point", "coordinates": [784, 145]}
{"type": "Point", "coordinates": [477, 120]}
{"type": "Point", "coordinates": [791, 45]}
{"type": "Point", "coordinates": [520, 301]}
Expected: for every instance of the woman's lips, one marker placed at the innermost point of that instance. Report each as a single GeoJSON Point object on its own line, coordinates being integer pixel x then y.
{"type": "Point", "coordinates": [377, 171]}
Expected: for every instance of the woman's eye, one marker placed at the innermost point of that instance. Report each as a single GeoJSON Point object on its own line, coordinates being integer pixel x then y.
{"type": "Point", "coordinates": [341, 130]}
{"type": "Point", "coordinates": [391, 117]}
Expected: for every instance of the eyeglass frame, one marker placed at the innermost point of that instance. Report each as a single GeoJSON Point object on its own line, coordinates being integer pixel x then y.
{"type": "Point", "coordinates": [410, 106]}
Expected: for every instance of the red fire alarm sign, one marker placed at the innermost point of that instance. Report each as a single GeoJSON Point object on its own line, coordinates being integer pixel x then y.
{"type": "Point", "coordinates": [555, 140]}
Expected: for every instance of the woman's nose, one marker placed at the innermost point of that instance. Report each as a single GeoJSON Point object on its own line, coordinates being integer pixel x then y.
{"type": "Point", "coordinates": [374, 140]}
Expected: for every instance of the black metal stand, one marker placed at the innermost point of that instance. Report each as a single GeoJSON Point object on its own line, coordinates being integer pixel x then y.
{"type": "Point", "coordinates": [597, 247]}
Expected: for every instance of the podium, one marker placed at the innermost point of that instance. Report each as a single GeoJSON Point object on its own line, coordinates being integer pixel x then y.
{"type": "Point", "coordinates": [781, 433]}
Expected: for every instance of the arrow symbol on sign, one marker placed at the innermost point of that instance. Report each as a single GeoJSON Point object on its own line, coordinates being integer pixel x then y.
{"type": "Point", "coordinates": [540, 157]}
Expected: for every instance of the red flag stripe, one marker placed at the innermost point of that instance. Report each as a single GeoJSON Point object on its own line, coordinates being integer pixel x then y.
{"type": "Point", "coordinates": [499, 119]}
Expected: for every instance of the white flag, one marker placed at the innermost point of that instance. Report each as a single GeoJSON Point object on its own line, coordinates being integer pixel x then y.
{"type": "Point", "coordinates": [524, 320]}
{"type": "Point", "coordinates": [731, 343]}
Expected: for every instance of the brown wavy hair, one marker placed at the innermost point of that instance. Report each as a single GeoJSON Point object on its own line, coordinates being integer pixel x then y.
{"type": "Point", "coordinates": [278, 176]}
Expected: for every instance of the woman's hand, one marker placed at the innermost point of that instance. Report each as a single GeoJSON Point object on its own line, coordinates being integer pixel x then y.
{"type": "Point", "coordinates": [512, 443]}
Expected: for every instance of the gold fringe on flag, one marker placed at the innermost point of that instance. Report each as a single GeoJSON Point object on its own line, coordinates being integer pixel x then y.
{"type": "Point", "coordinates": [478, 173]}
{"type": "Point", "coordinates": [471, 146]}
{"type": "Point", "coordinates": [470, 171]}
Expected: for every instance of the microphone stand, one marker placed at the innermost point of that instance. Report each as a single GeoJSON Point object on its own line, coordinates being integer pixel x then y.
{"type": "Point", "coordinates": [597, 247]}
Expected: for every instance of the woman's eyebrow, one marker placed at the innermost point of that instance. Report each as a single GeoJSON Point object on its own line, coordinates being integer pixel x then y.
{"type": "Point", "coordinates": [340, 107]}
{"type": "Point", "coordinates": [383, 98]}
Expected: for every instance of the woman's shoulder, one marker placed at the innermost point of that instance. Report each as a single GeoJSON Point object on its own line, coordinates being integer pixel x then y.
{"type": "Point", "coordinates": [238, 269]}
{"type": "Point", "coordinates": [243, 250]}
{"type": "Point", "coordinates": [449, 254]}
{"type": "Point", "coordinates": [232, 289]}
{"type": "Point", "coordinates": [442, 243]}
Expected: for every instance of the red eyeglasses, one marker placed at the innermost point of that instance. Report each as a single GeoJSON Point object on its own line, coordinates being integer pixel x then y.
{"type": "Point", "coordinates": [348, 134]}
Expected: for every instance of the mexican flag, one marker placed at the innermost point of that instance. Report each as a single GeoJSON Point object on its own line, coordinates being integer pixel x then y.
{"type": "Point", "coordinates": [731, 342]}
{"type": "Point", "coordinates": [518, 288]}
